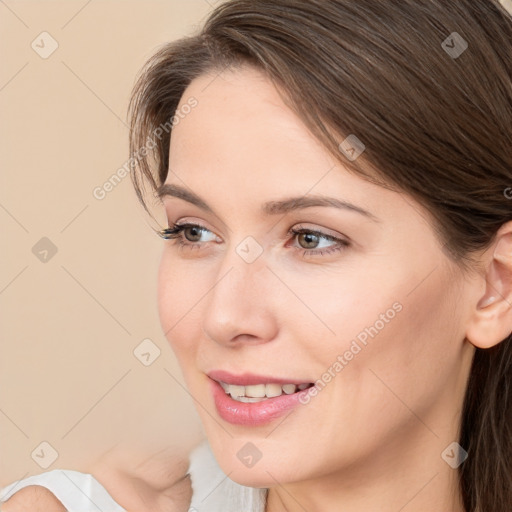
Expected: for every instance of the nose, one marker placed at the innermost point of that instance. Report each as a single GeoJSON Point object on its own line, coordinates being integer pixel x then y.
{"type": "Point", "coordinates": [239, 306]}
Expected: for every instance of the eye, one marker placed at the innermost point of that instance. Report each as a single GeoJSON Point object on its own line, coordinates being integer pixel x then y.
{"type": "Point", "coordinates": [188, 234]}
{"type": "Point", "coordinates": [311, 242]}
{"type": "Point", "coordinates": [316, 242]}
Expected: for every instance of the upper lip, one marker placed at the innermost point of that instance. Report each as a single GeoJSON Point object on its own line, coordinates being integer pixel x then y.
{"type": "Point", "coordinates": [248, 379]}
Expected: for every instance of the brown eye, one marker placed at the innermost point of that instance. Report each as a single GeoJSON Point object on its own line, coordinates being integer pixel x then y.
{"type": "Point", "coordinates": [193, 233]}
{"type": "Point", "coordinates": [308, 240]}
{"type": "Point", "coordinates": [311, 242]}
{"type": "Point", "coordinates": [189, 234]}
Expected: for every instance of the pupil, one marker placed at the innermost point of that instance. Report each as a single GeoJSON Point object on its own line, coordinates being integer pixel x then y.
{"type": "Point", "coordinates": [196, 234]}
{"type": "Point", "coordinates": [310, 240]}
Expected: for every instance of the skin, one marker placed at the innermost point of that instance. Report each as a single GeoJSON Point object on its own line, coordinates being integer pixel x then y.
{"type": "Point", "coordinates": [138, 480]}
{"type": "Point", "coordinates": [372, 438]}
{"type": "Point", "coordinates": [34, 498]}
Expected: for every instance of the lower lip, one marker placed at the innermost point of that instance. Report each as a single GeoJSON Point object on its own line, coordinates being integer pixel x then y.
{"type": "Point", "coordinates": [253, 414]}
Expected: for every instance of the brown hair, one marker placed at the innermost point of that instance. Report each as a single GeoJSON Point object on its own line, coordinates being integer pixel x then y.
{"type": "Point", "coordinates": [434, 110]}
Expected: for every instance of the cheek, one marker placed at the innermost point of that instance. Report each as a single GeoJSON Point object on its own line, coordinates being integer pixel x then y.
{"type": "Point", "coordinates": [404, 346]}
{"type": "Point", "coordinates": [179, 294]}
{"type": "Point", "coordinates": [329, 310]}
{"type": "Point", "coordinates": [393, 329]}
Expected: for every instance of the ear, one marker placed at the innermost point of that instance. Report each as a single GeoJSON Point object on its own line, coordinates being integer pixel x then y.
{"type": "Point", "coordinates": [491, 319]}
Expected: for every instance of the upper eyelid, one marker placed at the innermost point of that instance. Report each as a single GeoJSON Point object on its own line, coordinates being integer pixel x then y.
{"type": "Point", "coordinates": [171, 212]}
{"type": "Point", "coordinates": [300, 227]}
{"type": "Point", "coordinates": [317, 231]}
{"type": "Point", "coordinates": [192, 223]}
{"type": "Point", "coordinates": [183, 226]}
{"type": "Point", "coordinates": [293, 230]}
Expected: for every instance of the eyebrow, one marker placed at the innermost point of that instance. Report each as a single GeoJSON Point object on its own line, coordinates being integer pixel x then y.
{"type": "Point", "coordinates": [271, 207]}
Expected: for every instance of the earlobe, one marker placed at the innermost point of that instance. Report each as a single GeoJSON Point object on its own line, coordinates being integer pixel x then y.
{"type": "Point", "coordinates": [491, 320]}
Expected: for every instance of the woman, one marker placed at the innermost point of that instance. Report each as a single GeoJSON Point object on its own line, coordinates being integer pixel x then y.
{"type": "Point", "coordinates": [336, 280]}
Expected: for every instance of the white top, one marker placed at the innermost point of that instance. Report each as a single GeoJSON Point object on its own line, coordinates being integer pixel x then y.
{"type": "Point", "coordinates": [78, 492]}
{"type": "Point", "coordinates": [212, 490]}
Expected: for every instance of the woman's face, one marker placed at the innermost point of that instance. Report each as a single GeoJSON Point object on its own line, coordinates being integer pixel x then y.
{"type": "Point", "coordinates": [363, 302]}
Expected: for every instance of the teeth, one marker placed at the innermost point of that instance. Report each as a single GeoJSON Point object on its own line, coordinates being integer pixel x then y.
{"type": "Point", "coordinates": [248, 399]}
{"type": "Point", "coordinates": [289, 388]}
{"type": "Point", "coordinates": [273, 390]}
{"type": "Point", "coordinates": [236, 390]}
{"type": "Point", "coordinates": [259, 392]}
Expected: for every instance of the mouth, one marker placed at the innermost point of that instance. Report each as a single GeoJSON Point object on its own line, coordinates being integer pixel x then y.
{"type": "Point", "coordinates": [260, 392]}
{"type": "Point", "coordinates": [252, 400]}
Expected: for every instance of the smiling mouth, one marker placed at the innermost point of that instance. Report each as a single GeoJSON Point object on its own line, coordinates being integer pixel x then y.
{"type": "Point", "coordinates": [260, 392]}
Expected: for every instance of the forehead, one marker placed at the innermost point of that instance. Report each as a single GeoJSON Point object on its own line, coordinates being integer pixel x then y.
{"type": "Point", "coordinates": [240, 103]}
{"type": "Point", "coordinates": [242, 125]}
{"type": "Point", "coordinates": [242, 145]}
{"type": "Point", "coordinates": [244, 86]}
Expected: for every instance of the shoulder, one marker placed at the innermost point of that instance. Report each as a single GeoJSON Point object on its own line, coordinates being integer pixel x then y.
{"type": "Point", "coordinates": [34, 498]}
{"type": "Point", "coordinates": [71, 490]}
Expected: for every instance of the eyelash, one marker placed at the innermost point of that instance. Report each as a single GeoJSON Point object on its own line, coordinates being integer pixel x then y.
{"type": "Point", "coordinates": [176, 231]}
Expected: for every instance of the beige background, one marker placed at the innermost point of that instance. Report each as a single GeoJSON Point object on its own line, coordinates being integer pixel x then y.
{"type": "Point", "coordinates": [70, 324]}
